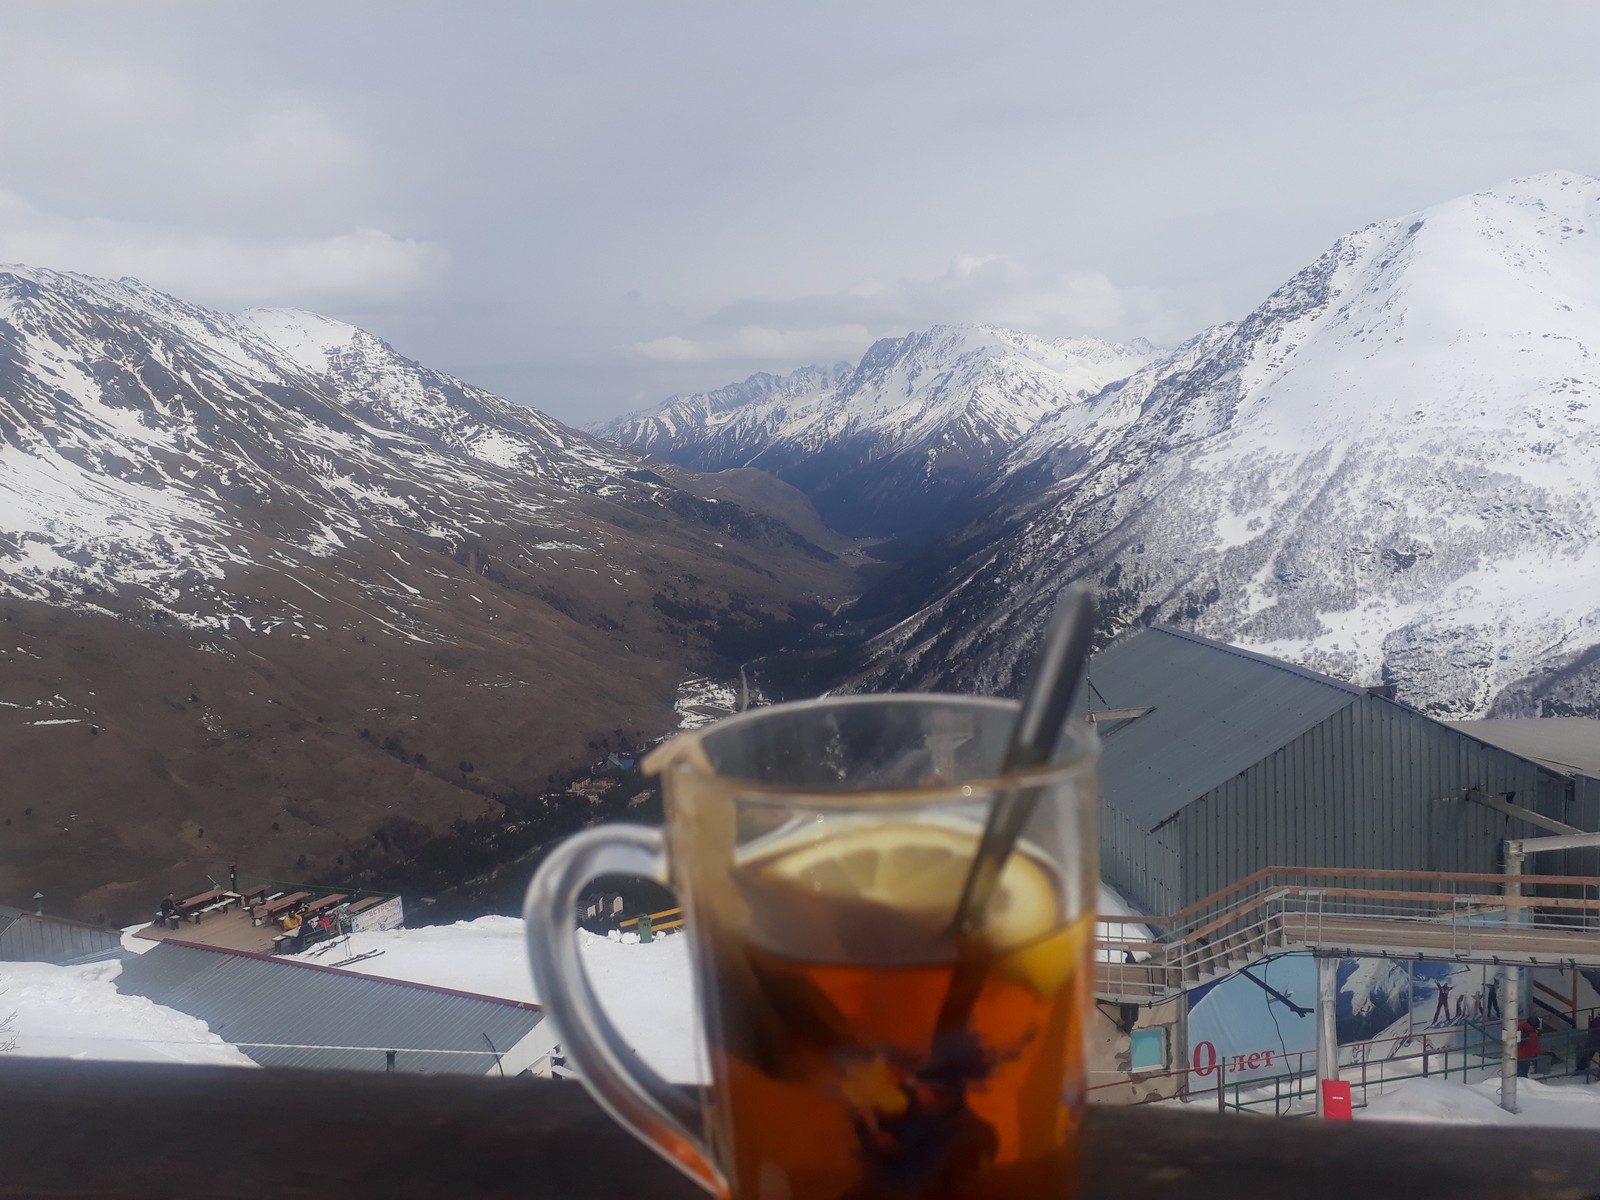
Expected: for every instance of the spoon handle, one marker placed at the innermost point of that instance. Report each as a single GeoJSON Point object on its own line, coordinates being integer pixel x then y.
{"type": "Point", "coordinates": [1046, 703]}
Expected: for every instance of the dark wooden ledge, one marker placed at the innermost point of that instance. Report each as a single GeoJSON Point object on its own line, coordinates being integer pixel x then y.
{"type": "Point", "coordinates": [129, 1131]}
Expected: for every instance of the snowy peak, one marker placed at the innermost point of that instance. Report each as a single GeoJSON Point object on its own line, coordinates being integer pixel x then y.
{"type": "Point", "coordinates": [141, 438]}
{"type": "Point", "coordinates": [309, 339]}
{"type": "Point", "coordinates": [712, 431]}
{"type": "Point", "coordinates": [886, 446]}
{"type": "Point", "coordinates": [1389, 471]}
{"type": "Point", "coordinates": [1504, 282]}
{"type": "Point", "coordinates": [993, 383]}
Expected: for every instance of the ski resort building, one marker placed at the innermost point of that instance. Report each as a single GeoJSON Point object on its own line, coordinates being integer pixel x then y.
{"type": "Point", "coordinates": [1219, 762]}
{"type": "Point", "coordinates": [1569, 746]}
{"type": "Point", "coordinates": [34, 937]}
{"type": "Point", "coordinates": [286, 1013]}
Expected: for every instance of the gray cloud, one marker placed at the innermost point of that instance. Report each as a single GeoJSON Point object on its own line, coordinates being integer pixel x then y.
{"type": "Point", "coordinates": [589, 208]}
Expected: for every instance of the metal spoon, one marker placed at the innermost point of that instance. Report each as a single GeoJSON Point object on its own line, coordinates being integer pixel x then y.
{"type": "Point", "coordinates": [1057, 672]}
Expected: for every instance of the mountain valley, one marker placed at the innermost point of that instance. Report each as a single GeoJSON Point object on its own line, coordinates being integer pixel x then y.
{"type": "Point", "coordinates": [895, 446]}
{"type": "Point", "coordinates": [1389, 471]}
{"type": "Point", "coordinates": [272, 594]}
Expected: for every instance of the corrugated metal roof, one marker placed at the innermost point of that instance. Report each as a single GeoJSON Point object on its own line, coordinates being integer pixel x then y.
{"type": "Point", "coordinates": [25, 937]}
{"type": "Point", "coordinates": [1570, 745]}
{"type": "Point", "coordinates": [1215, 710]}
{"type": "Point", "coordinates": [288, 1008]}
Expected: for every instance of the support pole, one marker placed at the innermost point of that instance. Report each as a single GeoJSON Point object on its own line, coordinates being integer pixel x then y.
{"type": "Point", "coordinates": [1327, 1025]}
{"type": "Point", "coordinates": [1510, 989]}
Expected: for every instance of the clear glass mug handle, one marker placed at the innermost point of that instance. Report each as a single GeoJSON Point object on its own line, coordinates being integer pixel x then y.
{"type": "Point", "coordinates": [664, 1116]}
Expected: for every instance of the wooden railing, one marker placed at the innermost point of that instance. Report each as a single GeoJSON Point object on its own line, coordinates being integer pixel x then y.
{"type": "Point", "coordinates": [1434, 916]}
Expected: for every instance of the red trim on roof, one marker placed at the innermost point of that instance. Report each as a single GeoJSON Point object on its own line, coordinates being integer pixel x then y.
{"type": "Point", "coordinates": [280, 960]}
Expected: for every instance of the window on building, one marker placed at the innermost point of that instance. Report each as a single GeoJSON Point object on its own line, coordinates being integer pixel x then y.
{"type": "Point", "coordinates": [1148, 1051]}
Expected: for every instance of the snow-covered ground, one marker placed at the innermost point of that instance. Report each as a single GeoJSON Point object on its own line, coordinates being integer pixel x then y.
{"type": "Point", "coordinates": [645, 989]}
{"type": "Point", "coordinates": [1570, 1104]}
{"type": "Point", "coordinates": [76, 1012]}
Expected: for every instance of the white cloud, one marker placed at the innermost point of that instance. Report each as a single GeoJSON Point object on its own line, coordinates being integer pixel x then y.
{"type": "Point", "coordinates": [993, 290]}
{"type": "Point", "coordinates": [759, 343]}
{"type": "Point", "coordinates": [223, 268]}
{"type": "Point", "coordinates": [144, 154]}
{"type": "Point", "coordinates": [132, 130]}
{"type": "Point", "coordinates": [974, 289]}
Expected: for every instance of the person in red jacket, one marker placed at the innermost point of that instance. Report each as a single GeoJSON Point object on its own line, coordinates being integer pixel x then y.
{"type": "Point", "coordinates": [1527, 1047]}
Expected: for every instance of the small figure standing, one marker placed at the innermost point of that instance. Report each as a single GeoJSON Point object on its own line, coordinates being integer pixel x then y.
{"type": "Point", "coordinates": [1441, 1010]}
{"type": "Point", "coordinates": [1493, 990]}
{"type": "Point", "coordinates": [1461, 1007]}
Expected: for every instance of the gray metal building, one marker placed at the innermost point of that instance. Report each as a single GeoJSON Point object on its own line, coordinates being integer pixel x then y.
{"type": "Point", "coordinates": [28, 937]}
{"type": "Point", "coordinates": [1569, 746]}
{"type": "Point", "coordinates": [1219, 762]}
{"type": "Point", "coordinates": [283, 1013]}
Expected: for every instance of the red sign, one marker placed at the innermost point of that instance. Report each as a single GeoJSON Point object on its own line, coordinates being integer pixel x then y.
{"type": "Point", "coordinates": [1204, 1060]}
{"type": "Point", "coordinates": [1336, 1100]}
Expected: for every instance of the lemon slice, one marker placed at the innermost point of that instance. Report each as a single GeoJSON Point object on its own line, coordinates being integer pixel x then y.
{"type": "Point", "coordinates": [919, 869]}
{"type": "Point", "coordinates": [1046, 964]}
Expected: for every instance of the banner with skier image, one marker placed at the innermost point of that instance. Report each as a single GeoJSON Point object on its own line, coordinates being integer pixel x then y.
{"type": "Point", "coordinates": [1261, 1022]}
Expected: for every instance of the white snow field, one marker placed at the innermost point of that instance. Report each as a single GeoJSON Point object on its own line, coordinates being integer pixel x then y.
{"type": "Point", "coordinates": [645, 988]}
{"type": "Point", "coordinates": [76, 1012]}
{"type": "Point", "coordinates": [1574, 1105]}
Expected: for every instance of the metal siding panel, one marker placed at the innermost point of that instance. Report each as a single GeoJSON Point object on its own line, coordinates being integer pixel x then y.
{"type": "Point", "coordinates": [1373, 784]}
{"type": "Point", "coordinates": [1216, 711]}
{"type": "Point", "coordinates": [296, 1008]}
{"type": "Point", "coordinates": [25, 937]}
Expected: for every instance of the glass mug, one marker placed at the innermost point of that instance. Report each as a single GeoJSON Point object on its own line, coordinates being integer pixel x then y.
{"type": "Point", "coordinates": [860, 1046]}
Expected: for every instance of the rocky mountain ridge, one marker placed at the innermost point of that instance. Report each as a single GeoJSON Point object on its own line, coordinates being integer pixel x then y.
{"type": "Point", "coordinates": [271, 586]}
{"type": "Point", "coordinates": [1390, 471]}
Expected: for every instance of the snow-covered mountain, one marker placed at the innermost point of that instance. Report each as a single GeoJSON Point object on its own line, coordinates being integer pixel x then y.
{"type": "Point", "coordinates": [712, 431]}
{"type": "Point", "coordinates": [884, 447]}
{"type": "Point", "coordinates": [1390, 471]}
{"type": "Point", "coordinates": [228, 544]}
{"type": "Point", "coordinates": [145, 440]}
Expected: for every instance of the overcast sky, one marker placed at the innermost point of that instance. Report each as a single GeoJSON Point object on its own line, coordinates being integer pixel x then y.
{"type": "Point", "coordinates": [588, 207]}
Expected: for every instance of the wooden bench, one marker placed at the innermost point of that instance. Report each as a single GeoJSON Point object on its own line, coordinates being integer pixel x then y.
{"type": "Point", "coordinates": [274, 907]}
{"type": "Point", "coordinates": [317, 906]}
{"type": "Point", "coordinates": [262, 913]}
{"type": "Point", "coordinates": [365, 903]}
{"type": "Point", "coordinates": [217, 906]}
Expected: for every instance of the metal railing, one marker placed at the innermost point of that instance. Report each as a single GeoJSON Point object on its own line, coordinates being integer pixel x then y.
{"type": "Point", "coordinates": [1432, 915]}
{"type": "Point", "coordinates": [1468, 1053]}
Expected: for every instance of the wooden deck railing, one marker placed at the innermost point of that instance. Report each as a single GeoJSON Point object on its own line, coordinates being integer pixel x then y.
{"type": "Point", "coordinates": [125, 1131]}
{"type": "Point", "coordinates": [1423, 914]}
